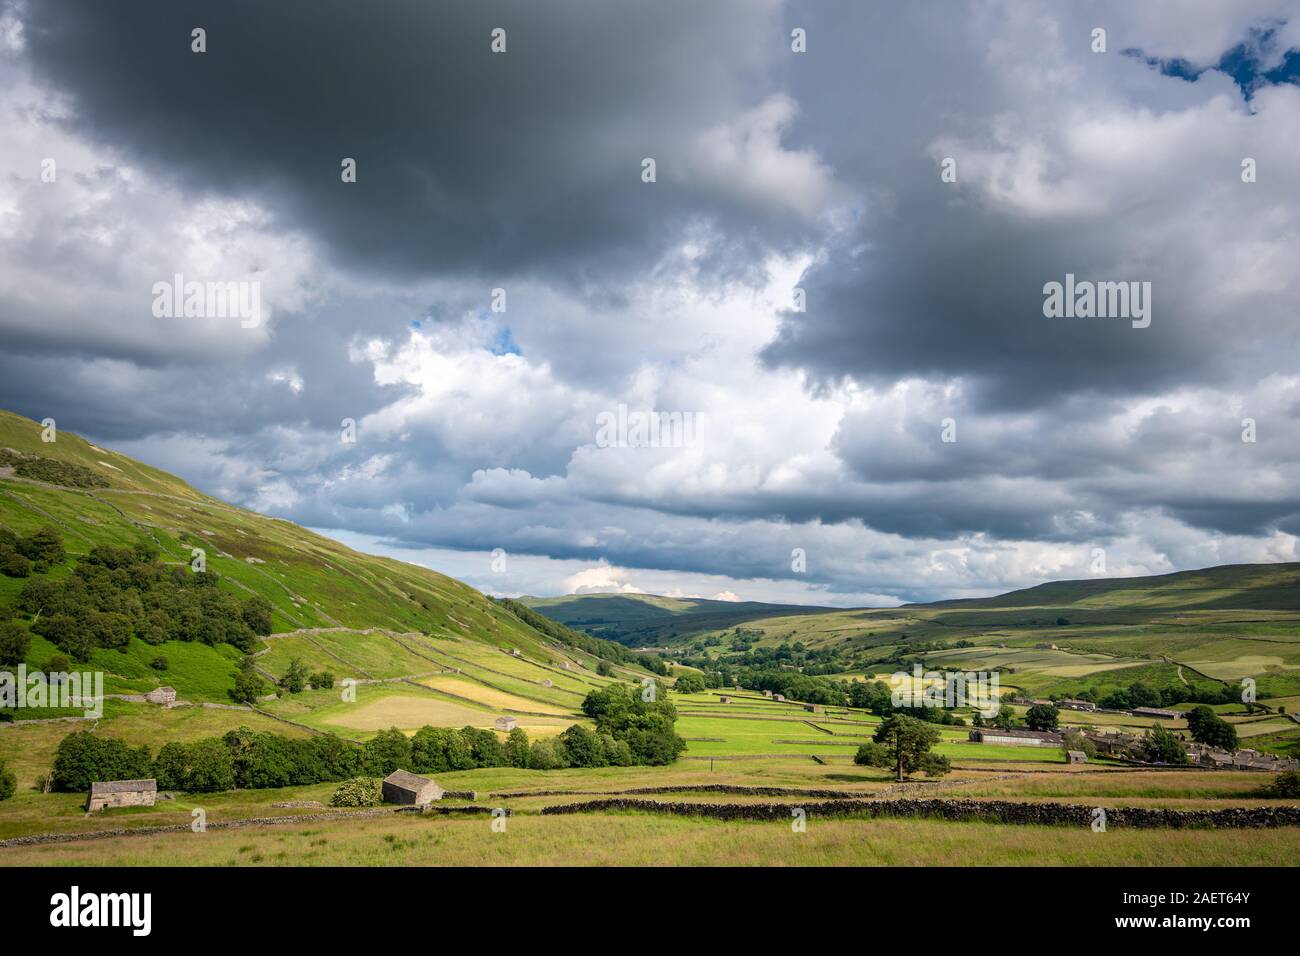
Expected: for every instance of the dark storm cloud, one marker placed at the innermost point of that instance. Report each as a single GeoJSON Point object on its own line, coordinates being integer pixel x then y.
{"type": "Point", "coordinates": [468, 161]}
{"type": "Point", "coordinates": [939, 280]}
{"type": "Point", "coordinates": [924, 299]}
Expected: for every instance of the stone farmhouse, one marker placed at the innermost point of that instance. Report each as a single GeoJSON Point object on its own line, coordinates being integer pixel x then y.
{"type": "Point", "coordinates": [409, 789]}
{"type": "Point", "coordinates": [1156, 712]}
{"type": "Point", "coordinates": [121, 793]}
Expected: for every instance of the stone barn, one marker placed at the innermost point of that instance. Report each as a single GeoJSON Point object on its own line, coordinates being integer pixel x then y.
{"type": "Point", "coordinates": [1076, 756]}
{"type": "Point", "coordinates": [122, 793]}
{"type": "Point", "coordinates": [1015, 737]}
{"type": "Point", "coordinates": [546, 682]}
{"type": "Point", "coordinates": [1084, 705]}
{"type": "Point", "coordinates": [162, 695]}
{"type": "Point", "coordinates": [1156, 712]}
{"type": "Point", "coordinates": [724, 699]}
{"type": "Point", "coordinates": [505, 723]}
{"type": "Point", "coordinates": [780, 697]}
{"type": "Point", "coordinates": [767, 693]}
{"type": "Point", "coordinates": [811, 708]}
{"type": "Point", "coordinates": [410, 789]}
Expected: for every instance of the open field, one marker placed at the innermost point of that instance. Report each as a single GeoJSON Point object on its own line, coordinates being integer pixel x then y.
{"type": "Point", "coordinates": [428, 650]}
{"type": "Point", "coordinates": [631, 839]}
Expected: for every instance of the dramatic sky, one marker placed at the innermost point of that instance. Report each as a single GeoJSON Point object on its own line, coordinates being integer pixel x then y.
{"type": "Point", "coordinates": [821, 429]}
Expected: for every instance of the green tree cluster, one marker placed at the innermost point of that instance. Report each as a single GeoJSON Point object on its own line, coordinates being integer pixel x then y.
{"type": "Point", "coordinates": [35, 553]}
{"type": "Point", "coordinates": [623, 712]}
{"type": "Point", "coordinates": [903, 743]}
{"type": "Point", "coordinates": [1207, 727]}
{"type": "Point", "coordinates": [115, 594]}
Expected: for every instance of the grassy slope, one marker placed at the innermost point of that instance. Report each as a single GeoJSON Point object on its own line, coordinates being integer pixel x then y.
{"type": "Point", "coordinates": [1200, 628]}
{"type": "Point", "coordinates": [313, 582]}
{"type": "Point", "coordinates": [644, 619]}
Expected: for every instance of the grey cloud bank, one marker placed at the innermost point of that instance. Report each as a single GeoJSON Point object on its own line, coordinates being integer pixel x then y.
{"type": "Point", "coordinates": [479, 429]}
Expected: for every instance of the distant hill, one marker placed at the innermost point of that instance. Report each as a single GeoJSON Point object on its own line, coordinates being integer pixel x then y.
{"type": "Point", "coordinates": [647, 620]}
{"type": "Point", "coordinates": [1230, 586]}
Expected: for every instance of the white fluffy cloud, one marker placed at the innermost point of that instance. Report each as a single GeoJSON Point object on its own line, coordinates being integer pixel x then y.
{"type": "Point", "coordinates": [479, 429]}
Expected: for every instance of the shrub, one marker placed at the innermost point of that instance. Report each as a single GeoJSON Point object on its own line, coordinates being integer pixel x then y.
{"type": "Point", "coordinates": [171, 766]}
{"type": "Point", "coordinates": [82, 758]}
{"type": "Point", "coordinates": [8, 782]}
{"type": "Point", "coordinates": [248, 686]}
{"type": "Point", "coordinates": [14, 641]}
{"type": "Point", "coordinates": [160, 663]}
{"type": "Point", "coordinates": [1161, 746]}
{"type": "Point", "coordinates": [1042, 717]}
{"type": "Point", "coordinates": [934, 765]}
{"type": "Point", "coordinates": [211, 767]}
{"type": "Point", "coordinates": [295, 677]}
{"type": "Point", "coordinates": [358, 792]}
{"type": "Point", "coordinates": [322, 680]}
{"type": "Point", "coordinates": [582, 748]}
{"type": "Point", "coordinates": [387, 751]}
{"type": "Point", "coordinates": [256, 613]}
{"type": "Point", "coordinates": [545, 755]}
{"type": "Point", "coordinates": [690, 684]}
{"type": "Point", "coordinates": [1285, 786]}
{"type": "Point", "coordinates": [484, 747]}
{"type": "Point", "coordinates": [621, 711]}
{"type": "Point", "coordinates": [1207, 727]}
{"type": "Point", "coordinates": [14, 565]}
{"type": "Point", "coordinates": [872, 754]}
{"type": "Point", "coordinates": [517, 748]}
{"type": "Point", "coordinates": [43, 546]}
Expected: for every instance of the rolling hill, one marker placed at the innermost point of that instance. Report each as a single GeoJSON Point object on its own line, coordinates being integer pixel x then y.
{"type": "Point", "coordinates": [1203, 628]}
{"type": "Point", "coordinates": [641, 620]}
{"type": "Point", "coordinates": [1227, 587]}
{"type": "Point", "coordinates": [372, 618]}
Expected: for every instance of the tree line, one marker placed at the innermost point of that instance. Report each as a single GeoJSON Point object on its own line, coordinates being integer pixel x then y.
{"type": "Point", "coordinates": [629, 730]}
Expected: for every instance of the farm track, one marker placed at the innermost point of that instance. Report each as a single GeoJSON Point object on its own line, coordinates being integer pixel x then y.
{"type": "Point", "coordinates": [36, 839]}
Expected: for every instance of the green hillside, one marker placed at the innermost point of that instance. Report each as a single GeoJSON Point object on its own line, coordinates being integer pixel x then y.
{"type": "Point", "coordinates": [332, 608]}
{"type": "Point", "coordinates": [1231, 586]}
{"type": "Point", "coordinates": [1184, 636]}
{"type": "Point", "coordinates": [641, 620]}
